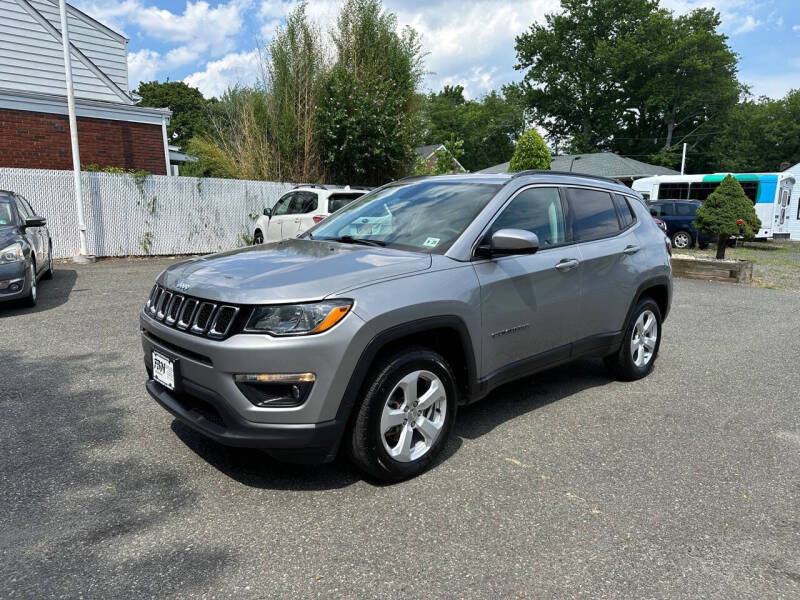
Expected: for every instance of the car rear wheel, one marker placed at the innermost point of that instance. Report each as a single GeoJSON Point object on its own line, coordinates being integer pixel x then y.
{"type": "Point", "coordinates": [405, 415]}
{"type": "Point", "coordinates": [637, 354]}
{"type": "Point", "coordinates": [258, 237]}
{"type": "Point", "coordinates": [33, 292]}
{"type": "Point", "coordinates": [682, 240]}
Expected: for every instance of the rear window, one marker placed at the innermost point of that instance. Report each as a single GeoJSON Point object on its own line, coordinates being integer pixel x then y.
{"type": "Point", "coordinates": [593, 214]}
{"type": "Point", "coordinates": [337, 201]}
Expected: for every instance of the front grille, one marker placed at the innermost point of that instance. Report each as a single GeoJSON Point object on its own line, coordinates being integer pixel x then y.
{"type": "Point", "coordinates": [195, 315]}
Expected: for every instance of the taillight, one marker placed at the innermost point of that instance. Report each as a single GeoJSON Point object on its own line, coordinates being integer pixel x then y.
{"type": "Point", "coordinates": [318, 218]}
{"type": "Point", "coordinates": [669, 246]}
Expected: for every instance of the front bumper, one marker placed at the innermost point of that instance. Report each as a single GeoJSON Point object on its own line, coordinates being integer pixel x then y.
{"type": "Point", "coordinates": [9, 274]}
{"type": "Point", "coordinates": [207, 413]}
{"type": "Point", "coordinates": [208, 400]}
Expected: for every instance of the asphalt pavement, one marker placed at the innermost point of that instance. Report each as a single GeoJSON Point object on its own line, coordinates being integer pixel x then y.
{"type": "Point", "coordinates": [682, 485]}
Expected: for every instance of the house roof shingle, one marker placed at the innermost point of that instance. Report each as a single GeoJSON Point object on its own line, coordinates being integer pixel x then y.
{"type": "Point", "coordinates": [604, 164]}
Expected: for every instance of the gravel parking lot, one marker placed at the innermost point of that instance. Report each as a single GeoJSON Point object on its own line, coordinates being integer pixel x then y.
{"type": "Point", "coordinates": [569, 484]}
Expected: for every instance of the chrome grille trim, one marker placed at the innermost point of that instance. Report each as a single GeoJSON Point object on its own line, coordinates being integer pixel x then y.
{"type": "Point", "coordinates": [215, 333]}
{"type": "Point", "coordinates": [174, 310]}
{"type": "Point", "coordinates": [189, 306]}
{"type": "Point", "coordinates": [192, 315]}
{"type": "Point", "coordinates": [201, 327]}
{"type": "Point", "coordinates": [163, 304]}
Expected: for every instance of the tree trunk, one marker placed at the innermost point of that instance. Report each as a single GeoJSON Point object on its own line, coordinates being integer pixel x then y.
{"type": "Point", "coordinates": [722, 244]}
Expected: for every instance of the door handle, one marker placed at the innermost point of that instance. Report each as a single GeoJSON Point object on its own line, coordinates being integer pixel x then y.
{"type": "Point", "coordinates": [567, 264]}
{"type": "Point", "coordinates": [297, 220]}
{"type": "Point", "coordinates": [631, 250]}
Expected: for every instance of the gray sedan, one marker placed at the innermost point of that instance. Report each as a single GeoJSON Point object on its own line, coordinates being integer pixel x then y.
{"type": "Point", "coordinates": [26, 249]}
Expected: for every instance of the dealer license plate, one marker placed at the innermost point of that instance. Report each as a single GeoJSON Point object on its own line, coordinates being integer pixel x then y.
{"type": "Point", "coordinates": [163, 370]}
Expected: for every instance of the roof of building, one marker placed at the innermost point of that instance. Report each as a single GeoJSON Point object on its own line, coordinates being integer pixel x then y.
{"type": "Point", "coordinates": [604, 164]}
{"type": "Point", "coordinates": [426, 151]}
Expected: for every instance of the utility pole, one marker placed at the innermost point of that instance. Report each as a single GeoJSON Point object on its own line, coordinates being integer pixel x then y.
{"type": "Point", "coordinates": [83, 256]}
{"type": "Point", "coordinates": [683, 159]}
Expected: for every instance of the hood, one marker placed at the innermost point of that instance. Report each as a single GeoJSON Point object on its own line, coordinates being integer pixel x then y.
{"type": "Point", "coordinates": [288, 271]}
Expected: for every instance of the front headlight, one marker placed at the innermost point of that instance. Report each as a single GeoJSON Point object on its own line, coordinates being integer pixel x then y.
{"type": "Point", "coordinates": [12, 253]}
{"type": "Point", "coordinates": [298, 319]}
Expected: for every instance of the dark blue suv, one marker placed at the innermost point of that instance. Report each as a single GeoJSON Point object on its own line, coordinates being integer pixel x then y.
{"type": "Point", "coordinates": [679, 216]}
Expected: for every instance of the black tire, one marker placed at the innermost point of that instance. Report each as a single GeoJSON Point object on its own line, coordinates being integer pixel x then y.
{"type": "Point", "coordinates": [49, 273]}
{"type": "Point", "coordinates": [622, 363]}
{"type": "Point", "coordinates": [682, 240]}
{"type": "Point", "coordinates": [258, 237]}
{"type": "Point", "coordinates": [30, 280]}
{"type": "Point", "coordinates": [365, 443]}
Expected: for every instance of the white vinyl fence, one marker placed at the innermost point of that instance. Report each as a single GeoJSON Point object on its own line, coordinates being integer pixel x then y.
{"type": "Point", "coordinates": [128, 215]}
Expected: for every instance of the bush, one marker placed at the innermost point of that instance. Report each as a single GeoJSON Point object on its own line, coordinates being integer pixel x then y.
{"type": "Point", "coordinates": [531, 153]}
{"type": "Point", "coordinates": [720, 214]}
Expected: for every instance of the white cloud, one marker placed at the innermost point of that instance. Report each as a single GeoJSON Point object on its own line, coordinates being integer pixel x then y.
{"type": "Point", "coordinates": [795, 27]}
{"type": "Point", "coordinates": [143, 65]}
{"type": "Point", "coordinates": [774, 86]}
{"type": "Point", "coordinates": [232, 69]}
{"type": "Point", "coordinates": [749, 24]}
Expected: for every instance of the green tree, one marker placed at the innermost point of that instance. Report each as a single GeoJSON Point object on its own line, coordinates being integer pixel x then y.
{"type": "Point", "coordinates": [267, 131]}
{"type": "Point", "coordinates": [758, 135]}
{"type": "Point", "coordinates": [627, 76]}
{"type": "Point", "coordinates": [720, 214]}
{"type": "Point", "coordinates": [444, 159]}
{"type": "Point", "coordinates": [368, 118]}
{"type": "Point", "coordinates": [189, 108]}
{"type": "Point", "coordinates": [489, 127]}
{"type": "Point", "coordinates": [531, 153]}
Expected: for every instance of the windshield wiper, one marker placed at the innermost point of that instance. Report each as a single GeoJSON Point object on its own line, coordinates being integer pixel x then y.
{"type": "Point", "coordinates": [349, 239]}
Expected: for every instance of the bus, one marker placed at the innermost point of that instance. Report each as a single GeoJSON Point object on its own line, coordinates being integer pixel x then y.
{"type": "Point", "coordinates": [769, 192]}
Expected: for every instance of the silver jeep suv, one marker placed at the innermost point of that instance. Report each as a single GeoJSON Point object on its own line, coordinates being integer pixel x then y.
{"type": "Point", "coordinates": [368, 331]}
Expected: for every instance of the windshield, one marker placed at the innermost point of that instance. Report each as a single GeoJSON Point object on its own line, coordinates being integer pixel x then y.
{"type": "Point", "coordinates": [425, 216]}
{"type": "Point", "coordinates": [6, 213]}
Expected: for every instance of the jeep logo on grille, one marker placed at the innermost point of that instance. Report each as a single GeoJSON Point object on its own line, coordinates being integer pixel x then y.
{"type": "Point", "coordinates": [182, 285]}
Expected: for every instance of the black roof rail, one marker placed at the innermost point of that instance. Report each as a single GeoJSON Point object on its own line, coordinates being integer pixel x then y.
{"type": "Point", "coordinates": [568, 173]}
{"type": "Point", "coordinates": [311, 185]}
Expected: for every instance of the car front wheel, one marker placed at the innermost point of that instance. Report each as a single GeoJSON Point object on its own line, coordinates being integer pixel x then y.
{"type": "Point", "coordinates": [33, 292]}
{"type": "Point", "coordinates": [637, 354]}
{"type": "Point", "coordinates": [258, 237]}
{"type": "Point", "coordinates": [405, 415]}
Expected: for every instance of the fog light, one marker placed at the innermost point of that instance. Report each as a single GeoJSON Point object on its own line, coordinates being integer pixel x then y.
{"type": "Point", "coordinates": [15, 287]}
{"type": "Point", "coordinates": [275, 390]}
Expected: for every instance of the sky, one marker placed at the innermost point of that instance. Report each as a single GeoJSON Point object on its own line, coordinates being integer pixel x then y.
{"type": "Point", "coordinates": [213, 44]}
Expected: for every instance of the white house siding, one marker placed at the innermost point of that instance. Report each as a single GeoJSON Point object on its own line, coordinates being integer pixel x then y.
{"type": "Point", "coordinates": [793, 223]}
{"type": "Point", "coordinates": [102, 46]}
{"type": "Point", "coordinates": [32, 59]}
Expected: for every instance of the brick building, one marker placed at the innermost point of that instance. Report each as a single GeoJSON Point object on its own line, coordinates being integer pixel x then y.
{"type": "Point", "coordinates": [34, 128]}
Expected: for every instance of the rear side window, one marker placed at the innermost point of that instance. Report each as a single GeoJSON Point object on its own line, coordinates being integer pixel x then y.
{"type": "Point", "coordinates": [337, 201]}
{"type": "Point", "coordinates": [626, 215]}
{"type": "Point", "coordinates": [537, 210]}
{"type": "Point", "coordinates": [685, 210]}
{"type": "Point", "coordinates": [593, 214]}
{"type": "Point", "coordinates": [302, 203]}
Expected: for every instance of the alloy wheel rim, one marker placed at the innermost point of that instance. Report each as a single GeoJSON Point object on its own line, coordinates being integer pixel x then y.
{"type": "Point", "coordinates": [644, 338]}
{"type": "Point", "coordinates": [413, 416]}
{"type": "Point", "coordinates": [33, 282]}
{"type": "Point", "coordinates": [681, 240]}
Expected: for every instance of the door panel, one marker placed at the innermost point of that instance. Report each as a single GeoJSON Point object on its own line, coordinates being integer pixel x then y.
{"type": "Point", "coordinates": [528, 302]}
{"type": "Point", "coordinates": [276, 220]}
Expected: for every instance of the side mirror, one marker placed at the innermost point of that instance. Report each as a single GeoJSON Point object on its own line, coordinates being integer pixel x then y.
{"type": "Point", "coordinates": [35, 222]}
{"type": "Point", "coordinates": [513, 241]}
{"type": "Point", "coordinates": [267, 212]}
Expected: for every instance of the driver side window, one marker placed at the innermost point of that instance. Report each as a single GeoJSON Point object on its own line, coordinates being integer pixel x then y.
{"type": "Point", "coordinates": [537, 210]}
{"type": "Point", "coordinates": [22, 209]}
{"type": "Point", "coordinates": [282, 205]}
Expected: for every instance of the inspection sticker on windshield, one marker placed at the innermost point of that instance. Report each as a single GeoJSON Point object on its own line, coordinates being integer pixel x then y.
{"type": "Point", "coordinates": [163, 371]}
{"type": "Point", "coordinates": [432, 242]}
